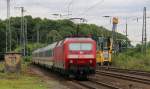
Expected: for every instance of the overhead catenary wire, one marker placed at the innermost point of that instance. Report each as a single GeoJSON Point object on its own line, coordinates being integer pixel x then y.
{"type": "Point", "coordinates": [68, 8]}
{"type": "Point", "coordinates": [93, 6]}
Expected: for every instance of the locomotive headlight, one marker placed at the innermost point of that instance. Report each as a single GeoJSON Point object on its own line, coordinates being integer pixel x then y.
{"type": "Point", "coordinates": [71, 61]}
{"type": "Point", "coordinates": [90, 61]}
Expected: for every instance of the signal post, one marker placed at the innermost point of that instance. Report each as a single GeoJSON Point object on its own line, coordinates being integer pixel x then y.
{"type": "Point", "coordinates": [114, 36]}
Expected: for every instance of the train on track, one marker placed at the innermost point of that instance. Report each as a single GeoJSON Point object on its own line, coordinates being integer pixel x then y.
{"type": "Point", "coordinates": [104, 51]}
{"type": "Point", "coordinates": [72, 56]}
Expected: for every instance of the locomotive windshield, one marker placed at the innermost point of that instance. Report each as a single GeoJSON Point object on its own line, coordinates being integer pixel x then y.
{"type": "Point", "coordinates": [80, 46]}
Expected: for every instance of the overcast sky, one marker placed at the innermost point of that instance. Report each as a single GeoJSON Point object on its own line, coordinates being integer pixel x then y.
{"type": "Point", "coordinates": [92, 10]}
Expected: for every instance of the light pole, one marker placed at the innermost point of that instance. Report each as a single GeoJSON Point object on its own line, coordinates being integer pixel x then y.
{"type": "Point", "coordinates": [26, 36]}
{"type": "Point", "coordinates": [22, 34]}
{"type": "Point", "coordinates": [8, 27]}
{"type": "Point", "coordinates": [38, 34]}
{"type": "Point", "coordinates": [126, 34]}
{"type": "Point", "coordinates": [144, 32]}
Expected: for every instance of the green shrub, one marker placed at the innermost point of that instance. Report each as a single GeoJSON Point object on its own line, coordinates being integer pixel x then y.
{"type": "Point", "coordinates": [27, 59]}
{"type": "Point", "coordinates": [132, 59]}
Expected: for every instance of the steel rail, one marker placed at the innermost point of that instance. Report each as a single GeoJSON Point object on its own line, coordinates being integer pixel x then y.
{"type": "Point", "coordinates": [137, 72]}
{"type": "Point", "coordinates": [125, 77]}
{"type": "Point", "coordinates": [104, 84]}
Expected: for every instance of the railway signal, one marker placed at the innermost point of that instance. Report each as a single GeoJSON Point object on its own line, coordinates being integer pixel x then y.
{"type": "Point", "coordinates": [114, 28]}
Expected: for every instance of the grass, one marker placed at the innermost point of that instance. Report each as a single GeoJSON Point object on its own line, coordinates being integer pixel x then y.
{"type": "Point", "coordinates": [22, 81]}
{"type": "Point", "coordinates": [133, 59]}
{"type": "Point", "coordinates": [1, 66]}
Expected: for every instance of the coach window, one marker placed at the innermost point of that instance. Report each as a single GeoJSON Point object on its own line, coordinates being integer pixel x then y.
{"type": "Point", "coordinates": [52, 54]}
{"type": "Point", "coordinates": [40, 54]}
{"type": "Point", "coordinates": [49, 53]}
{"type": "Point", "coordinates": [46, 54]}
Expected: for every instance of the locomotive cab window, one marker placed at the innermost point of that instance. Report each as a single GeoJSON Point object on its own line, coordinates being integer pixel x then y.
{"type": "Point", "coordinates": [80, 46]}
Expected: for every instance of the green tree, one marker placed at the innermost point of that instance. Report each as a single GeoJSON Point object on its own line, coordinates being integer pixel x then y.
{"type": "Point", "coordinates": [53, 36]}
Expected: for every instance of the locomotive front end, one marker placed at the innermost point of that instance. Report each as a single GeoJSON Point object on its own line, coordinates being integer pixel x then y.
{"type": "Point", "coordinates": [82, 57]}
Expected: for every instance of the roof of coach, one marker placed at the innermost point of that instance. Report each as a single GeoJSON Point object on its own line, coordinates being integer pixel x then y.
{"type": "Point", "coordinates": [79, 39]}
{"type": "Point", "coordinates": [51, 46]}
{"type": "Point", "coordinates": [45, 48]}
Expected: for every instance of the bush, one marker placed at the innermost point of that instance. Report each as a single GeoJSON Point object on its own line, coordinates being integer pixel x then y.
{"type": "Point", "coordinates": [133, 59]}
{"type": "Point", "coordinates": [27, 59]}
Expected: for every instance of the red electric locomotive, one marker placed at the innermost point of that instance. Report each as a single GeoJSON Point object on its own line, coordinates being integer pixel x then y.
{"type": "Point", "coordinates": [71, 56]}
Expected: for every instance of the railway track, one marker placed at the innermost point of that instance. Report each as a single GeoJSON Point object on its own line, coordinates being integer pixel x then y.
{"type": "Point", "coordinates": [73, 83]}
{"type": "Point", "coordinates": [85, 84]}
{"type": "Point", "coordinates": [135, 72]}
{"type": "Point", "coordinates": [123, 76]}
{"type": "Point", "coordinates": [104, 84]}
{"type": "Point", "coordinates": [94, 84]}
